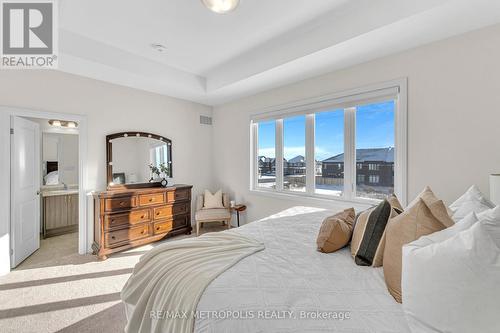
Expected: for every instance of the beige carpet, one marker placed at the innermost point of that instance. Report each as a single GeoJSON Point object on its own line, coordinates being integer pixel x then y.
{"type": "Point", "coordinates": [57, 290]}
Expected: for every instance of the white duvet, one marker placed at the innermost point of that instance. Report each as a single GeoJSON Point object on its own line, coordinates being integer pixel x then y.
{"type": "Point", "coordinates": [271, 291]}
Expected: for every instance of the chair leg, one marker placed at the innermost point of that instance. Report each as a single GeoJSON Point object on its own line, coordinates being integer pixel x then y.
{"type": "Point", "coordinates": [197, 228]}
{"type": "Point", "coordinates": [228, 224]}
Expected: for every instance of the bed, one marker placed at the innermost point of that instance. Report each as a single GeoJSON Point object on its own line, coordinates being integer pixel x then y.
{"type": "Point", "coordinates": [288, 285]}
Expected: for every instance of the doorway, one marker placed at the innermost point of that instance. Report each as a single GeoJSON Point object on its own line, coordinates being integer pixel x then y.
{"type": "Point", "coordinates": [21, 210]}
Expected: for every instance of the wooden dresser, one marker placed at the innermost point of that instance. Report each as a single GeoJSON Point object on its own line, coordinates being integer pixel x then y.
{"type": "Point", "coordinates": [128, 218]}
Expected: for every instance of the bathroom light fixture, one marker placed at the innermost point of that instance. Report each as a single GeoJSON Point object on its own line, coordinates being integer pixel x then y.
{"type": "Point", "coordinates": [56, 123]}
{"type": "Point", "coordinates": [62, 123]}
{"type": "Point", "coordinates": [221, 6]}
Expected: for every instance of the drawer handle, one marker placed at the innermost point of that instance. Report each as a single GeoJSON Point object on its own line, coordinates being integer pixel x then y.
{"type": "Point", "coordinates": [122, 203]}
{"type": "Point", "coordinates": [142, 232]}
{"type": "Point", "coordinates": [112, 237]}
{"type": "Point", "coordinates": [158, 213]}
{"type": "Point", "coordinates": [142, 216]}
{"type": "Point", "coordinates": [157, 228]}
{"type": "Point", "coordinates": [151, 199]}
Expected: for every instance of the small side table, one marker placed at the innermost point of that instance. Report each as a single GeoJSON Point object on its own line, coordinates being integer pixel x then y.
{"type": "Point", "coordinates": [238, 209]}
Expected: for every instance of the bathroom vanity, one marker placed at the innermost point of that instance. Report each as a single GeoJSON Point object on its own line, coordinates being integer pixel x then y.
{"type": "Point", "coordinates": [60, 212]}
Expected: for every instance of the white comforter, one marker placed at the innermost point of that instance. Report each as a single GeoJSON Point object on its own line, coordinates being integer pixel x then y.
{"type": "Point", "coordinates": [163, 292]}
{"type": "Point", "coordinates": [290, 278]}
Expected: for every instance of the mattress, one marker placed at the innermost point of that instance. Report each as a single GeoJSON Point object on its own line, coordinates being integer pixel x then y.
{"type": "Point", "coordinates": [291, 287]}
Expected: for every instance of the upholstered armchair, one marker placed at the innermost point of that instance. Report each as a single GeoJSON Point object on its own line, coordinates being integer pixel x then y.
{"type": "Point", "coordinates": [206, 215]}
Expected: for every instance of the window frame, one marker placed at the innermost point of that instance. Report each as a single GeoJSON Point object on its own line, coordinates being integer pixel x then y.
{"type": "Point", "coordinates": [348, 100]}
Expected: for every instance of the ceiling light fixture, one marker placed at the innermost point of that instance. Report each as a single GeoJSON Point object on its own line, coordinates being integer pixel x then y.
{"type": "Point", "coordinates": [221, 6]}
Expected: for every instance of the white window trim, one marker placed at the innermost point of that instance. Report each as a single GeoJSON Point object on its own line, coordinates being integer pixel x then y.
{"type": "Point", "coordinates": [346, 100]}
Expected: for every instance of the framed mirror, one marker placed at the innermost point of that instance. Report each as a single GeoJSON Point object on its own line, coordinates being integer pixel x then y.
{"type": "Point", "coordinates": [137, 159]}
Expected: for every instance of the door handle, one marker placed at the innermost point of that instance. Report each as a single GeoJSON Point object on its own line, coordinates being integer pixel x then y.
{"type": "Point", "coordinates": [38, 192]}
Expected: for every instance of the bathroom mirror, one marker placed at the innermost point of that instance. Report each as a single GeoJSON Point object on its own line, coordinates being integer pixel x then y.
{"type": "Point", "coordinates": [137, 159]}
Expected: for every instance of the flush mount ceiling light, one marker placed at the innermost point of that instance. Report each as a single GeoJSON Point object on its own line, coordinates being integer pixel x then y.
{"type": "Point", "coordinates": [221, 6]}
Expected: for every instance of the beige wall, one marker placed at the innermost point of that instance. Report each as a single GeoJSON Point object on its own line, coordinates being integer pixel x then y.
{"type": "Point", "coordinates": [453, 118]}
{"type": "Point", "coordinates": [109, 108]}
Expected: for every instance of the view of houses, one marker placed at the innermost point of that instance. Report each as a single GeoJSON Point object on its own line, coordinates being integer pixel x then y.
{"type": "Point", "coordinates": [374, 173]}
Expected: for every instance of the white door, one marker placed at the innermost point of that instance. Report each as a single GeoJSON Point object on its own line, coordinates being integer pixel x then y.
{"type": "Point", "coordinates": [25, 189]}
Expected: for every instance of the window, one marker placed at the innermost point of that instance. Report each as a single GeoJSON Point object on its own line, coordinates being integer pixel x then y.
{"type": "Point", "coordinates": [347, 147]}
{"type": "Point", "coordinates": [329, 152]}
{"type": "Point", "coordinates": [294, 152]}
{"type": "Point", "coordinates": [375, 145]}
{"type": "Point", "coordinates": [374, 179]}
{"type": "Point", "coordinates": [266, 157]}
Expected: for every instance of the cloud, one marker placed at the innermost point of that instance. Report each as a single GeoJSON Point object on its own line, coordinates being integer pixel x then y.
{"type": "Point", "coordinates": [267, 152]}
{"type": "Point", "coordinates": [291, 152]}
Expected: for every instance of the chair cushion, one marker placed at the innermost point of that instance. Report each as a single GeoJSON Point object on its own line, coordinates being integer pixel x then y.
{"type": "Point", "coordinates": [213, 200]}
{"type": "Point", "coordinates": [214, 214]}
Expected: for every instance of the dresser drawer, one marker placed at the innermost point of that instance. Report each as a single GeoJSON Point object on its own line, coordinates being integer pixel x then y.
{"type": "Point", "coordinates": [126, 235]}
{"type": "Point", "coordinates": [133, 217]}
{"type": "Point", "coordinates": [170, 210]}
{"type": "Point", "coordinates": [178, 195]}
{"type": "Point", "coordinates": [120, 203]}
{"type": "Point", "coordinates": [181, 221]}
{"type": "Point", "coordinates": [162, 227]}
{"type": "Point", "coordinates": [151, 199]}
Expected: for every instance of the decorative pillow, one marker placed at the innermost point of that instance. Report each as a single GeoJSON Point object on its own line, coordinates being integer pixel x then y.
{"type": "Point", "coordinates": [471, 201]}
{"type": "Point", "coordinates": [424, 216]}
{"type": "Point", "coordinates": [444, 234]}
{"type": "Point", "coordinates": [336, 231]}
{"type": "Point", "coordinates": [452, 285]}
{"type": "Point", "coordinates": [368, 240]}
{"type": "Point", "coordinates": [213, 200]}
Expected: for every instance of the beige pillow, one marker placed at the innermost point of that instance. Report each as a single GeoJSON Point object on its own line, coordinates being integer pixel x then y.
{"type": "Point", "coordinates": [213, 200]}
{"type": "Point", "coordinates": [336, 231]}
{"type": "Point", "coordinates": [368, 238]}
{"type": "Point", "coordinates": [425, 215]}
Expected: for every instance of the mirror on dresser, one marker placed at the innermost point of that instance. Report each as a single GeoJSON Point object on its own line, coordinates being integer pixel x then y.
{"type": "Point", "coordinates": [137, 159]}
{"type": "Point", "coordinates": [137, 208]}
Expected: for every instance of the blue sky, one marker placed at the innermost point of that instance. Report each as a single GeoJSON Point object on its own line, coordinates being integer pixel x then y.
{"type": "Point", "coordinates": [374, 129]}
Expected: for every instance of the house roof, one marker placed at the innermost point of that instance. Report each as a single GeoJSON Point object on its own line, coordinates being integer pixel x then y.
{"type": "Point", "coordinates": [367, 155]}
{"type": "Point", "coordinates": [297, 159]}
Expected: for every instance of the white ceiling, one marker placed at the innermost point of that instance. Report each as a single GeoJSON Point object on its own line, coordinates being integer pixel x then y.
{"type": "Point", "coordinates": [212, 58]}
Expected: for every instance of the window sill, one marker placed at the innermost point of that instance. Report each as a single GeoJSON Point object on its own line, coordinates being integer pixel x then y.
{"type": "Point", "coordinates": [314, 197]}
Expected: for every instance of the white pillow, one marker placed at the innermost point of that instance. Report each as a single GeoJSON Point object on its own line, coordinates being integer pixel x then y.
{"type": "Point", "coordinates": [471, 201]}
{"type": "Point", "coordinates": [213, 200]}
{"type": "Point", "coordinates": [453, 285]}
{"type": "Point", "coordinates": [52, 178]}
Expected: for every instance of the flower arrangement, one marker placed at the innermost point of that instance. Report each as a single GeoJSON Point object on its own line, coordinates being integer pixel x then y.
{"type": "Point", "coordinates": [165, 170]}
{"type": "Point", "coordinates": [162, 170]}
